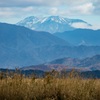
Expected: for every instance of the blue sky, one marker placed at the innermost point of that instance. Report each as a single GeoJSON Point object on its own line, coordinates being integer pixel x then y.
{"type": "Point", "coordinates": [12, 11]}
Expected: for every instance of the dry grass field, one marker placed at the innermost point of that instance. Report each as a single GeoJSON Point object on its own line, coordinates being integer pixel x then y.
{"type": "Point", "coordinates": [18, 87]}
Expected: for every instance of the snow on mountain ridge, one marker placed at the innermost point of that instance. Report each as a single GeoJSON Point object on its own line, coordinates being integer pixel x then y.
{"type": "Point", "coordinates": [51, 24]}
{"type": "Point", "coordinates": [30, 19]}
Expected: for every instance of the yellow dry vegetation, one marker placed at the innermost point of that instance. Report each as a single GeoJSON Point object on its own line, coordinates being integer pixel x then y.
{"type": "Point", "coordinates": [19, 87]}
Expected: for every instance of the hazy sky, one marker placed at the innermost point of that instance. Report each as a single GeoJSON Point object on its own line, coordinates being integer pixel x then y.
{"type": "Point", "coordinates": [12, 11]}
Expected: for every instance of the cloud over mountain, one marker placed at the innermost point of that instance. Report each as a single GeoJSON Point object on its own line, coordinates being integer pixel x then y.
{"type": "Point", "coordinates": [13, 10]}
{"type": "Point", "coordinates": [78, 5]}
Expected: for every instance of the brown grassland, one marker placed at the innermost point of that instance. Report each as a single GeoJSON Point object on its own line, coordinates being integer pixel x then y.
{"type": "Point", "coordinates": [50, 87]}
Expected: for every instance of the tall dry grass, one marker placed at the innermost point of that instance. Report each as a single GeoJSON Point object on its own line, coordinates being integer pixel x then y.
{"type": "Point", "coordinates": [51, 87]}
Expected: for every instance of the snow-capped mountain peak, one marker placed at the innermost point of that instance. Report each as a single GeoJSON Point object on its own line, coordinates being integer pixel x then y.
{"type": "Point", "coordinates": [28, 22]}
{"type": "Point", "coordinates": [55, 19]}
{"type": "Point", "coordinates": [51, 24]}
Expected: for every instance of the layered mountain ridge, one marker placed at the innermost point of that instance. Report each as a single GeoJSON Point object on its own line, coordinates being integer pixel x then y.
{"type": "Point", "coordinates": [20, 46]}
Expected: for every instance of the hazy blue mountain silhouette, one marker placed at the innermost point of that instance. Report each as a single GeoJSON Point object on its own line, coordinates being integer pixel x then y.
{"type": "Point", "coordinates": [81, 37]}
{"type": "Point", "coordinates": [20, 45]}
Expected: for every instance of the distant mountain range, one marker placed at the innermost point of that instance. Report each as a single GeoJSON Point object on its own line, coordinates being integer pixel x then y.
{"type": "Point", "coordinates": [87, 64]}
{"type": "Point", "coordinates": [91, 63]}
{"type": "Point", "coordinates": [81, 37]}
{"type": "Point", "coordinates": [52, 24]}
{"type": "Point", "coordinates": [20, 46]}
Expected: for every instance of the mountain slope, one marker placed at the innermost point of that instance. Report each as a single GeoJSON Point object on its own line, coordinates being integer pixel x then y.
{"type": "Point", "coordinates": [91, 63]}
{"type": "Point", "coordinates": [20, 46]}
{"type": "Point", "coordinates": [51, 24]}
{"type": "Point", "coordinates": [12, 32]}
{"type": "Point", "coordinates": [87, 64]}
{"type": "Point", "coordinates": [81, 37]}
